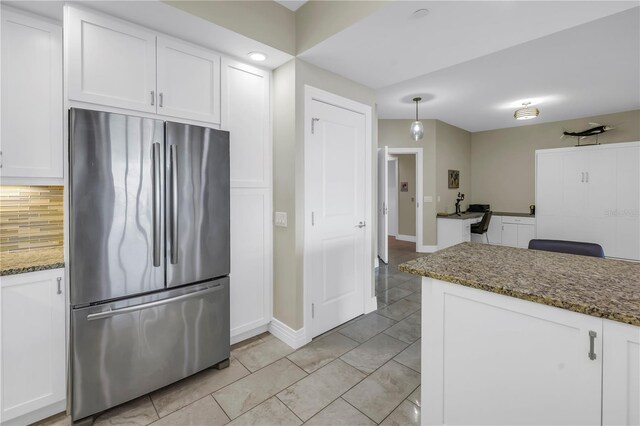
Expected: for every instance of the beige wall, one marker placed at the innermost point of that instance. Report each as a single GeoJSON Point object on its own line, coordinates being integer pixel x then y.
{"type": "Point", "coordinates": [318, 20]}
{"type": "Point", "coordinates": [407, 200]}
{"type": "Point", "coordinates": [265, 21]}
{"type": "Point", "coordinates": [289, 115]}
{"type": "Point", "coordinates": [453, 152]}
{"type": "Point", "coordinates": [503, 161]}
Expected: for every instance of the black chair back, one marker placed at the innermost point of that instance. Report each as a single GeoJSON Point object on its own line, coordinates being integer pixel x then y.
{"type": "Point", "coordinates": [484, 223]}
{"type": "Point", "coordinates": [569, 247]}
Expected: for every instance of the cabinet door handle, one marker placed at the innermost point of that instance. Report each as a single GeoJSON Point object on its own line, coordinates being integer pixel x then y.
{"type": "Point", "coordinates": [153, 97]}
{"type": "Point", "coordinates": [160, 99]}
{"type": "Point", "coordinates": [587, 177]}
{"type": "Point", "coordinates": [59, 279]}
{"type": "Point", "coordinates": [592, 338]}
{"type": "Point", "coordinates": [582, 177]}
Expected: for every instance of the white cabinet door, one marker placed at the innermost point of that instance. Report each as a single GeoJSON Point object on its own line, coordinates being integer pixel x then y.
{"type": "Point", "coordinates": [245, 101]}
{"type": "Point", "coordinates": [494, 233]}
{"type": "Point", "coordinates": [188, 81]}
{"type": "Point", "coordinates": [628, 203]}
{"type": "Point", "coordinates": [251, 259]}
{"type": "Point", "coordinates": [601, 177]}
{"type": "Point", "coordinates": [110, 62]}
{"type": "Point", "coordinates": [33, 344]}
{"type": "Point", "coordinates": [31, 97]}
{"type": "Point", "coordinates": [510, 234]}
{"type": "Point", "coordinates": [490, 359]}
{"type": "Point", "coordinates": [549, 178]}
{"type": "Point", "coordinates": [621, 374]}
{"type": "Point", "coordinates": [526, 233]}
{"type": "Point", "coordinates": [574, 186]}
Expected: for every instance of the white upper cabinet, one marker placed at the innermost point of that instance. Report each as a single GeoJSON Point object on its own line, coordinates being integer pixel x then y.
{"type": "Point", "coordinates": [188, 81]}
{"type": "Point", "coordinates": [245, 105]}
{"type": "Point", "coordinates": [110, 62]}
{"type": "Point", "coordinates": [32, 114]}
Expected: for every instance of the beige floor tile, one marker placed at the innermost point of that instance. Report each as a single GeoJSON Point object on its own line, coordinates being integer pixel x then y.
{"type": "Point", "coordinates": [410, 357]}
{"type": "Point", "coordinates": [399, 310]}
{"type": "Point", "coordinates": [139, 412]}
{"type": "Point", "coordinates": [322, 351]}
{"type": "Point", "coordinates": [269, 413]}
{"type": "Point", "coordinates": [381, 392]}
{"type": "Point", "coordinates": [319, 389]}
{"type": "Point", "coordinates": [408, 330]}
{"type": "Point", "coordinates": [60, 419]}
{"type": "Point", "coordinates": [367, 327]}
{"type": "Point", "coordinates": [407, 414]}
{"type": "Point", "coordinates": [184, 392]}
{"type": "Point", "coordinates": [415, 397]}
{"type": "Point", "coordinates": [254, 389]}
{"type": "Point", "coordinates": [369, 356]}
{"type": "Point", "coordinates": [262, 353]}
{"type": "Point", "coordinates": [340, 413]}
{"type": "Point", "coordinates": [204, 411]}
{"type": "Point", "coordinates": [393, 295]}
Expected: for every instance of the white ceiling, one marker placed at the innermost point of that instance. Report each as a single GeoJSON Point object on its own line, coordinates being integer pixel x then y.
{"type": "Point", "coordinates": [475, 62]}
{"type": "Point", "coordinates": [292, 4]}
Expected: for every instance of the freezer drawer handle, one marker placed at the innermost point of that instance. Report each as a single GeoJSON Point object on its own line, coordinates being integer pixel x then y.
{"type": "Point", "coordinates": [111, 313]}
{"type": "Point", "coordinates": [156, 204]}
{"type": "Point", "coordinates": [173, 151]}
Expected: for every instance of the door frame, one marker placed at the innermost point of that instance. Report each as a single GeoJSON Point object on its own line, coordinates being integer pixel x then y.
{"type": "Point", "coordinates": [392, 159]}
{"type": "Point", "coordinates": [418, 152]}
{"type": "Point", "coordinates": [369, 302]}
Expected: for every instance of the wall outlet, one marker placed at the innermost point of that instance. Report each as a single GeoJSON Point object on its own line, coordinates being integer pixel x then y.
{"type": "Point", "coordinates": [281, 219]}
{"type": "Point", "coordinates": [428, 199]}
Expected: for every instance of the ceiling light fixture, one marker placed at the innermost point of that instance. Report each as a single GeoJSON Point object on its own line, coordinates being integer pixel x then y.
{"type": "Point", "coordinates": [420, 13]}
{"type": "Point", "coordinates": [257, 56]}
{"type": "Point", "coordinates": [526, 113]}
{"type": "Point", "coordinates": [417, 130]}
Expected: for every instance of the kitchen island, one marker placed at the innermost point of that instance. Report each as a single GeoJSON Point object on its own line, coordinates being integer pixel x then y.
{"type": "Point", "coordinates": [515, 336]}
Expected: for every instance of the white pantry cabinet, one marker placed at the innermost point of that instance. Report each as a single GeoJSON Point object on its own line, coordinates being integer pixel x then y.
{"type": "Point", "coordinates": [110, 62]}
{"type": "Point", "coordinates": [621, 374]}
{"type": "Point", "coordinates": [245, 114]}
{"type": "Point", "coordinates": [33, 346]}
{"type": "Point", "coordinates": [591, 194]}
{"type": "Point", "coordinates": [188, 81]}
{"type": "Point", "coordinates": [494, 359]}
{"type": "Point", "coordinates": [32, 114]}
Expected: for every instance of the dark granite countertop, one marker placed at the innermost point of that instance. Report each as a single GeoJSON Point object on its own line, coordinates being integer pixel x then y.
{"type": "Point", "coordinates": [513, 214]}
{"type": "Point", "coordinates": [19, 262]}
{"type": "Point", "coordinates": [598, 287]}
{"type": "Point", "coordinates": [462, 216]}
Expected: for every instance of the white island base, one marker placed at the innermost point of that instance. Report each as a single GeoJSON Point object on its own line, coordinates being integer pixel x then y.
{"type": "Point", "coordinates": [490, 359]}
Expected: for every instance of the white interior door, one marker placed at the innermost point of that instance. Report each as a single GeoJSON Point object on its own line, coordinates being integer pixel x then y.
{"type": "Point", "coordinates": [383, 203]}
{"type": "Point", "coordinates": [392, 196]}
{"type": "Point", "coordinates": [335, 237]}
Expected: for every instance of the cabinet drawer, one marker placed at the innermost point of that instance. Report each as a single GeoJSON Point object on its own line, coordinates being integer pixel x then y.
{"type": "Point", "coordinates": [519, 220]}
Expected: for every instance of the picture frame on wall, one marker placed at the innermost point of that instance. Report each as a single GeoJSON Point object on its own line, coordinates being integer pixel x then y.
{"type": "Point", "coordinates": [454, 179]}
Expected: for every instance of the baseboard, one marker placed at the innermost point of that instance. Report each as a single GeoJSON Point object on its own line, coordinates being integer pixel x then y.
{"type": "Point", "coordinates": [37, 415]}
{"type": "Point", "coordinates": [371, 305]}
{"type": "Point", "coordinates": [293, 338]}
{"type": "Point", "coordinates": [249, 333]}
{"type": "Point", "coordinates": [426, 249]}
{"type": "Point", "coordinates": [409, 238]}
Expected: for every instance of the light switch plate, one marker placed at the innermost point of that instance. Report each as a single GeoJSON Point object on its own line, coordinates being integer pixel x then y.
{"type": "Point", "coordinates": [428, 199]}
{"type": "Point", "coordinates": [281, 219]}
{"type": "Point", "coordinates": [438, 198]}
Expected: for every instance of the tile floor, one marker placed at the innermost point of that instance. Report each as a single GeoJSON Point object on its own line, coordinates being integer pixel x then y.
{"type": "Point", "coordinates": [364, 372]}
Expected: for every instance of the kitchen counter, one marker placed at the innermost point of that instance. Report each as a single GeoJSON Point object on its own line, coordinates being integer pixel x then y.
{"type": "Point", "coordinates": [463, 216]}
{"type": "Point", "coordinates": [19, 262]}
{"type": "Point", "coordinates": [598, 287]}
{"type": "Point", "coordinates": [513, 214]}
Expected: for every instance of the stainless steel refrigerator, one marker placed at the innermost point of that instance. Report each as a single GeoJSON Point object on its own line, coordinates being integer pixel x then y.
{"type": "Point", "coordinates": [148, 255]}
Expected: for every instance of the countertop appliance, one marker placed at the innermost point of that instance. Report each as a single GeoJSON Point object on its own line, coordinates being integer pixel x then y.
{"type": "Point", "coordinates": [149, 255]}
{"type": "Point", "coordinates": [481, 208]}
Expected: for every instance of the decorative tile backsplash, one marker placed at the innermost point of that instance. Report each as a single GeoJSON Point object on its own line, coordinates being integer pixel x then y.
{"type": "Point", "coordinates": [31, 217]}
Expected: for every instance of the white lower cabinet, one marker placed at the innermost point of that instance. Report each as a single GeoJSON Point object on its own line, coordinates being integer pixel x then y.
{"type": "Point", "coordinates": [493, 359]}
{"type": "Point", "coordinates": [33, 346]}
{"type": "Point", "coordinates": [517, 231]}
{"type": "Point", "coordinates": [621, 374]}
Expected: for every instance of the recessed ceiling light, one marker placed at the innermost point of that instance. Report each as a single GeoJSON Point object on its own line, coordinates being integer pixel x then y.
{"type": "Point", "coordinates": [257, 56]}
{"type": "Point", "coordinates": [420, 13]}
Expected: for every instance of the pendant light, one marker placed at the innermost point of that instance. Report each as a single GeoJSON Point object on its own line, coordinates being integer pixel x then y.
{"type": "Point", "coordinates": [526, 113]}
{"type": "Point", "coordinates": [417, 130]}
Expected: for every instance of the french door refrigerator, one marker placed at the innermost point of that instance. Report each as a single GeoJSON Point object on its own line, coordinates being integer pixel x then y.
{"type": "Point", "coordinates": [149, 255]}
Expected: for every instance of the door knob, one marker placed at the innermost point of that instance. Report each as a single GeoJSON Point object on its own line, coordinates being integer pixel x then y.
{"type": "Point", "coordinates": [361, 224]}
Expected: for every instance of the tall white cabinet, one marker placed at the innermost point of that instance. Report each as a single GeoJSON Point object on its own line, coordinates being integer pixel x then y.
{"type": "Point", "coordinates": [32, 116]}
{"type": "Point", "coordinates": [245, 113]}
{"type": "Point", "coordinates": [591, 194]}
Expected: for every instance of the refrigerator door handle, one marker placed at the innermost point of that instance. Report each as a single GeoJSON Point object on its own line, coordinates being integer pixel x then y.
{"type": "Point", "coordinates": [128, 309]}
{"type": "Point", "coordinates": [157, 205]}
{"type": "Point", "coordinates": [173, 151]}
